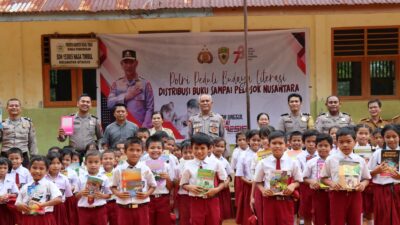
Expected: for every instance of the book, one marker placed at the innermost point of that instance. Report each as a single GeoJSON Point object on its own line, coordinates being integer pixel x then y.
{"type": "Point", "coordinates": [205, 178]}
{"type": "Point", "coordinates": [131, 181]}
{"type": "Point", "coordinates": [93, 185]}
{"type": "Point", "coordinates": [349, 174]}
{"type": "Point", "coordinates": [320, 165]}
{"type": "Point", "coordinates": [263, 154]}
{"type": "Point", "coordinates": [391, 158]}
{"type": "Point", "coordinates": [157, 167]}
{"type": "Point", "coordinates": [364, 151]}
{"type": "Point", "coordinates": [36, 193]}
{"type": "Point", "coordinates": [165, 156]}
{"type": "Point", "coordinates": [279, 181]}
{"type": "Point", "coordinates": [67, 124]}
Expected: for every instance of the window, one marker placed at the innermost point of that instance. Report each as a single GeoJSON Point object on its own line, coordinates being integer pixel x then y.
{"type": "Point", "coordinates": [62, 87]}
{"type": "Point", "coordinates": [365, 62]}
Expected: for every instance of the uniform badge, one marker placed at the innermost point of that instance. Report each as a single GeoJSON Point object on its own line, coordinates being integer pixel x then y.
{"type": "Point", "coordinates": [343, 119]}
{"type": "Point", "coordinates": [223, 55]}
{"type": "Point", "coordinates": [304, 118]}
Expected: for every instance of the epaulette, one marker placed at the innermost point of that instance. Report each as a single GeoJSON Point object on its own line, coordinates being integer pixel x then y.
{"type": "Point", "coordinates": [27, 118]}
{"type": "Point", "coordinates": [72, 114]}
{"type": "Point", "coordinates": [396, 117]}
{"type": "Point", "coordinates": [364, 119]}
{"type": "Point", "coordinates": [305, 114]}
{"type": "Point", "coordinates": [285, 114]}
{"type": "Point", "coordinates": [321, 114]}
{"type": "Point", "coordinates": [94, 117]}
{"type": "Point", "coordinates": [345, 114]}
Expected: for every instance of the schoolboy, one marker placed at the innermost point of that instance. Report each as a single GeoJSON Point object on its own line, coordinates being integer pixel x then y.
{"type": "Point", "coordinates": [143, 133]}
{"type": "Point", "coordinates": [345, 203]}
{"type": "Point", "coordinates": [204, 202]}
{"type": "Point", "coordinates": [93, 195]}
{"type": "Point", "coordinates": [277, 209]}
{"type": "Point", "coordinates": [296, 144]}
{"type": "Point", "coordinates": [8, 193]}
{"type": "Point", "coordinates": [183, 195]}
{"type": "Point", "coordinates": [133, 210]}
{"type": "Point", "coordinates": [107, 169]}
{"type": "Point", "coordinates": [19, 174]}
{"type": "Point", "coordinates": [311, 176]}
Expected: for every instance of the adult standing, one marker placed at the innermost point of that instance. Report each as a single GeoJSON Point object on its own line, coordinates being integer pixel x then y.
{"type": "Point", "coordinates": [18, 132]}
{"type": "Point", "coordinates": [295, 120]}
{"type": "Point", "coordinates": [132, 90]}
{"type": "Point", "coordinates": [263, 121]}
{"type": "Point", "coordinates": [374, 120]}
{"type": "Point", "coordinates": [120, 130]}
{"type": "Point", "coordinates": [87, 128]}
{"type": "Point", "coordinates": [206, 121]}
{"type": "Point", "coordinates": [332, 118]}
{"type": "Point", "coordinates": [157, 120]}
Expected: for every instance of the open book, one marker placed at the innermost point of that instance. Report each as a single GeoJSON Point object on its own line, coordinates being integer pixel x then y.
{"type": "Point", "coordinates": [279, 181]}
{"type": "Point", "coordinates": [349, 174]}
{"type": "Point", "coordinates": [320, 165]}
{"type": "Point", "coordinates": [157, 167]}
{"type": "Point", "coordinates": [391, 158]}
{"type": "Point", "coordinates": [131, 181]}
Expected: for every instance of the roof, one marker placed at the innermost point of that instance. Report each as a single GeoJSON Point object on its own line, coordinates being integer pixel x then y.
{"type": "Point", "coordinates": [43, 6]}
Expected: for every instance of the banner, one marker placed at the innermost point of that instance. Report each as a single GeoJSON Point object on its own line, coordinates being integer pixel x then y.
{"type": "Point", "coordinates": [172, 70]}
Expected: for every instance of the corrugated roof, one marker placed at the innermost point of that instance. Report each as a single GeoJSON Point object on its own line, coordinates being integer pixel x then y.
{"type": "Point", "coordinates": [21, 6]}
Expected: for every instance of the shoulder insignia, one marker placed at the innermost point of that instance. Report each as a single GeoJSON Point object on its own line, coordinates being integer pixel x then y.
{"type": "Point", "coordinates": [27, 118]}
{"type": "Point", "coordinates": [322, 114]}
{"type": "Point", "coordinates": [94, 117]}
{"type": "Point", "coordinates": [285, 114]}
{"type": "Point", "coordinates": [305, 114]}
{"type": "Point", "coordinates": [364, 119]}
{"type": "Point", "coordinates": [345, 114]}
{"type": "Point", "coordinates": [396, 117]}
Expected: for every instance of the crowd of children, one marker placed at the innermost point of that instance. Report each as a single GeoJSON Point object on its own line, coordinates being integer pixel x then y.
{"type": "Point", "coordinates": [276, 178]}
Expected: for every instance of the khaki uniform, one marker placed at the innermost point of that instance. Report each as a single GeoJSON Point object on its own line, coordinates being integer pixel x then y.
{"type": "Point", "coordinates": [325, 121]}
{"type": "Point", "coordinates": [212, 125]}
{"type": "Point", "coordinates": [289, 123]}
{"type": "Point", "coordinates": [380, 124]}
{"type": "Point", "coordinates": [396, 119]}
{"type": "Point", "coordinates": [19, 134]}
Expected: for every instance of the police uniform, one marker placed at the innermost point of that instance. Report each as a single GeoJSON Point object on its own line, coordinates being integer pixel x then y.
{"type": "Point", "coordinates": [289, 122]}
{"type": "Point", "coordinates": [211, 124]}
{"type": "Point", "coordinates": [396, 119]}
{"type": "Point", "coordinates": [326, 120]}
{"type": "Point", "coordinates": [380, 124]}
{"type": "Point", "coordinates": [19, 134]}
{"type": "Point", "coordinates": [86, 130]}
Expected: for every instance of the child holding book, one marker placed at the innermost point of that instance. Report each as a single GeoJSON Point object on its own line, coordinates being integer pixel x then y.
{"type": "Point", "coordinates": [183, 199]}
{"type": "Point", "coordinates": [311, 176]}
{"type": "Point", "coordinates": [36, 199]}
{"type": "Point", "coordinates": [243, 172]}
{"type": "Point", "coordinates": [347, 176]}
{"type": "Point", "coordinates": [93, 191]}
{"type": "Point", "coordinates": [385, 175]}
{"type": "Point", "coordinates": [198, 179]}
{"type": "Point", "coordinates": [296, 144]}
{"type": "Point", "coordinates": [159, 208]}
{"type": "Point", "coordinates": [62, 183]}
{"type": "Point", "coordinates": [8, 193]}
{"type": "Point", "coordinates": [133, 183]}
{"type": "Point", "coordinates": [107, 169]}
{"type": "Point", "coordinates": [277, 177]}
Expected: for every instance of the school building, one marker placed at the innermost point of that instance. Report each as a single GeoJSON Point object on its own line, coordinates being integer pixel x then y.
{"type": "Point", "coordinates": [353, 51]}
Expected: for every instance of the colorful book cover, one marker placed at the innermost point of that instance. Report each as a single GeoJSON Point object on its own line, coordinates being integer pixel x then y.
{"type": "Point", "coordinates": [67, 124]}
{"type": "Point", "coordinates": [349, 173]}
{"type": "Point", "coordinates": [364, 151]}
{"type": "Point", "coordinates": [93, 184]}
{"type": "Point", "coordinates": [132, 181]}
{"type": "Point", "coordinates": [320, 165]}
{"type": "Point", "coordinates": [36, 193]}
{"type": "Point", "coordinates": [293, 154]}
{"type": "Point", "coordinates": [165, 156]}
{"type": "Point", "coordinates": [391, 158]}
{"type": "Point", "coordinates": [205, 178]}
{"type": "Point", "coordinates": [263, 154]}
{"type": "Point", "coordinates": [157, 167]}
{"type": "Point", "coordinates": [279, 181]}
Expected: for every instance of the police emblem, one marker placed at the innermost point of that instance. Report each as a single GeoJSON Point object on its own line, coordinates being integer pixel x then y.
{"type": "Point", "coordinates": [205, 56]}
{"type": "Point", "coordinates": [223, 55]}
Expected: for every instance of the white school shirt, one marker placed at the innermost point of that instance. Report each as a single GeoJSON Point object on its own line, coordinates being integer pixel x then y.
{"type": "Point", "coordinates": [331, 167]}
{"type": "Point", "coordinates": [161, 187]}
{"type": "Point", "coordinates": [24, 175]}
{"type": "Point", "coordinates": [311, 168]}
{"type": "Point", "coordinates": [374, 162]}
{"type": "Point", "coordinates": [243, 168]}
{"type": "Point", "coordinates": [235, 157]}
{"type": "Point", "coordinates": [180, 170]}
{"type": "Point", "coordinates": [255, 161]}
{"type": "Point", "coordinates": [73, 179]}
{"type": "Point", "coordinates": [173, 162]}
{"type": "Point", "coordinates": [225, 164]}
{"type": "Point", "coordinates": [265, 169]}
{"type": "Point", "coordinates": [189, 175]}
{"type": "Point", "coordinates": [8, 186]}
{"type": "Point", "coordinates": [302, 158]}
{"type": "Point", "coordinates": [105, 189]}
{"type": "Point", "coordinates": [147, 179]}
{"type": "Point", "coordinates": [62, 182]}
{"type": "Point", "coordinates": [47, 191]}
{"type": "Point", "coordinates": [110, 179]}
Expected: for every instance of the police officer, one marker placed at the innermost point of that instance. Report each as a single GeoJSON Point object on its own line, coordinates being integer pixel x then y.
{"type": "Point", "coordinates": [206, 121]}
{"type": "Point", "coordinates": [133, 91]}
{"type": "Point", "coordinates": [333, 117]}
{"type": "Point", "coordinates": [18, 132]}
{"type": "Point", "coordinates": [87, 128]}
{"type": "Point", "coordinates": [295, 120]}
{"type": "Point", "coordinates": [374, 120]}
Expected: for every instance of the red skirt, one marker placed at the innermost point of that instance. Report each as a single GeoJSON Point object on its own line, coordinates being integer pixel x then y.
{"type": "Point", "coordinates": [60, 214]}
{"type": "Point", "coordinates": [46, 219]}
{"type": "Point", "coordinates": [244, 210]}
{"type": "Point", "coordinates": [305, 201]}
{"type": "Point", "coordinates": [7, 216]}
{"type": "Point", "coordinates": [225, 204]}
{"type": "Point", "coordinates": [258, 203]}
{"type": "Point", "coordinates": [368, 199]}
{"type": "Point", "coordinates": [71, 204]}
{"type": "Point", "coordinates": [320, 203]}
{"type": "Point", "coordinates": [387, 204]}
{"type": "Point", "coordinates": [238, 189]}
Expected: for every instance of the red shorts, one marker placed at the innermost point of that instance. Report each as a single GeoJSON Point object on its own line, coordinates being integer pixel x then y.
{"type": "Point", "coordinates": [305, 210]}
{"type": "Point", "coordinates": [112, 212]}
{"type": "Point", "coordinates": [277, 212]}
{"type": "Point", "coordinates": [46, 219]}
{"type": "Point", "coordinates": [159, 210]}
{"type": "Point", "coordinates": [320, 203]}
{"type": "Point", "coordinates": [93, 216]}
{"type": "Point", "coordinates": [136, 216]}
{"type": "Point", "coordinates": [345, 207]}
{"type": "Point", "coordinates": [7, 216]}
{"type": "Point", "coordinates": [205, 211]}
{"type": "Point", "coordinates": [184, 209]}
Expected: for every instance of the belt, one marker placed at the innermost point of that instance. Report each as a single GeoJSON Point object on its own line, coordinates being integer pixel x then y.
{"type": "Point", "coordinates": [203, 197]}
{"type": "Point", "coordinates": [37, 214]}
{"type": "Point", "coordinates": [132, 206]}
{"type": "Point", "coordinates": [93, 207]}
{"type": "Point", "coordinates": [111, 201]}
{"type": "Point", "coordinates": [158, 195]}
{"type": "Point", "coordinates": [282, 198]}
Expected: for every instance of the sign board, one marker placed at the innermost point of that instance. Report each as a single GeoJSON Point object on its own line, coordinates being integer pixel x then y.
{"type": "Point", "coordinates": [74, 53]}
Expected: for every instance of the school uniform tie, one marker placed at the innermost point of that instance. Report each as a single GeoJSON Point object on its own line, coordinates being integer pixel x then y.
{"type": "Point", "coordinates": [17, 179]}
{"type": "Point", "coordinates": [278, 164]}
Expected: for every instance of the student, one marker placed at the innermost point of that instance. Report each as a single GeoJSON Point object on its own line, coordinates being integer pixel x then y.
{"type": "Point", "coordinates": [19, 174]}
{"type": "Point", "coordinates": [92, 192]}
{"type": "Point", "coordinates": [377, 139]}
{"type": "Point", "coordinates": [277, 209]}
{"type": "Point", "coordinates": [133, 210]}
{"type": "Point", "coordinates": [107, 169]}
{"type": "Point", "coordinates": [332, 132]}
{"type": "Point", "coordinates": [62, 183]}
{"type": "Point", "coordinates": [225, 195]}
{"type": "Point", "coordinates": [204, 206]}
{"type": "Point", "coordinates": [183, 195]}
{"type": "Point", "coordinates": [311, 176]}
{"type": "Point", "coordinates": [345, 204]}
{"type": "Point", "coordinates": [243, 172]}
{"type": "Point", "coordinates": [296, 144]}
{"type": "Point", "coordinates": [159, 206]}
{"type": "Point", "coordinates": [309, 139]}
{"type": "Point", "coordinates": [386, 180]}
{"type": "Point", "coordinates": [8, 193]}
{"type": "Point", "coordinates": [177, 152]}
{"type": "Point", "coordinates": [54, 149]}
{"type": "Point", "coordinates": [37, 198]}
{"type": "Point", "coordinates": [143, 133]}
